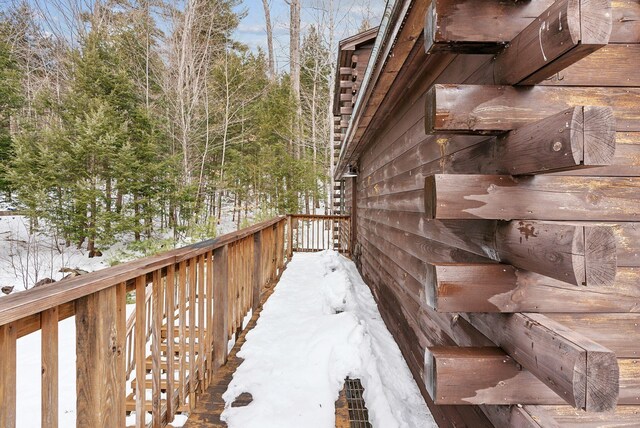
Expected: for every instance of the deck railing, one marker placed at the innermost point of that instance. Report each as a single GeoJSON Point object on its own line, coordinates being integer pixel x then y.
{"type": "Point", "coordinates": [309, 233]}
{"type": "Point", "coordinates": [195, 300]}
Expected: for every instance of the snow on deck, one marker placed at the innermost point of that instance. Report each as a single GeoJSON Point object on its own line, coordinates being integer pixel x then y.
{"type": "Point", "coordinates": [321, 325]}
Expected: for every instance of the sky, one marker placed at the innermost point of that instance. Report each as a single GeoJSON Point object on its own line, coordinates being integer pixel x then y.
{"type": "Point", "coordinates": [348, 18]}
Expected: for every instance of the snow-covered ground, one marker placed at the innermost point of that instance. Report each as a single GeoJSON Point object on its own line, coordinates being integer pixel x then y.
{"type": "Point", "coordinates": [320, 326]}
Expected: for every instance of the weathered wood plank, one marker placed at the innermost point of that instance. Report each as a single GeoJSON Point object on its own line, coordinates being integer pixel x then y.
{"type": "Point", "coordinates": [49, 356]}
{"type": "Point", "coordinates": [613, 65]}
{"type": "Point", "coordinates": [8, 339]}
{"type": "Point", "coordinates": [568, 417]}
{"type": "Point", "coordinates": [539, 197]}
{"type": "Point", "coordinates": [140, 345]}
{"type": "Point", "coordinates": [582, 372]}
{"type": "Point", "coordinates": [618, 332]}
{"type": "Point", "coordinates": [494, 109]}
{"type": "Point", "coordinates": [504, 288]}
{"type": "Point", "coordinates": [99, 387]}
{"type": "Point", "coordinates": [563, 34]}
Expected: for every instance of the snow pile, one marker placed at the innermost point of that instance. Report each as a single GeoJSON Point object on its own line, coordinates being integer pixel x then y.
{"type": "Point", "coordinates": [320, 326]}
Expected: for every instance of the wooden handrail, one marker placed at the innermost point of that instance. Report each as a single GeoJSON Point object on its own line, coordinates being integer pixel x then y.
{"type": "Point", "coordinates": [30, 302]}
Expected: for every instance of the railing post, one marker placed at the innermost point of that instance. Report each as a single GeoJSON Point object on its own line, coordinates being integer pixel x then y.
{"type": "Point", "coordinates": [8, 337]}
{"type": "Point", "coordinates": [289, 237]}
{"type": "Point", "coordinates": [220, 310]}
{"type": "Point", "coordinates": [257, 269]}
{"type": "Point", "coordinates": [100, 386]}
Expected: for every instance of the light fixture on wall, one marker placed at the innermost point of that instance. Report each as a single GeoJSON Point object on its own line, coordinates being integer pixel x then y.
{"type": "Point", "coordinates": [352, 171]}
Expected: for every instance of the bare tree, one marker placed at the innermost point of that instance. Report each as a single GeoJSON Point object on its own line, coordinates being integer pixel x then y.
{"type": "Point", "coordinates": [271, 59]}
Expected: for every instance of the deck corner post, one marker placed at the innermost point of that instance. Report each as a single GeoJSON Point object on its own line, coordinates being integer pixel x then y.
{"type": "Point", "coordinates": [99, 349]}
{"type": "Point", "coordinates": [220, 310]}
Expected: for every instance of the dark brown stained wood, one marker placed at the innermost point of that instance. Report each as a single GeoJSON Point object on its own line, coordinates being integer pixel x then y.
{"type": "Point", "coordinates": [468, 26]}
{"type": "Point", "coordinates": [503, 288]}
{"type": "Point", "coordinates": [563, 34]}
{"type": "Point", "coordinates": [579, 136]}
{"type": "Point", "coordinates": [579, 255]}
{"type": "Point", "coordinates": [596, 69]}
{"type": "Point", "coordinates": [49, 356]}
{"type": "Point", "coordinates": [8, 339]}
{"type": "Point", "coordinates": [156, 323]}
{"type": "Point", "coordinates": [492, 109]}
{"type": "Point", "coordinates": [481, 375]}
{"type": "Point", "coordinates": [618, 332]}
{"type": "Point", "coordinates": [455, 375]}
{"type": "Point", "coordinates": [582, 372]}
{"type": "Point", "coordinates": [99, 386]}
{"type": "Point", "coordinates": [471, 27]}
{"type": "Point", "coordinates": [220, 306]}
{"type": "Point", "coordinates": [539, 197]}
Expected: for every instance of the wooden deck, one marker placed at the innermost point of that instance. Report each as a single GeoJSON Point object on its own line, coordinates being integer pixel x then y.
{"type": "Point", "coordinates": [210, 404]}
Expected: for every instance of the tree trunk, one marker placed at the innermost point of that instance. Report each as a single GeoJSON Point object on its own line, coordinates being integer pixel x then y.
{"type": "Point", "coordinates": [267, 18]}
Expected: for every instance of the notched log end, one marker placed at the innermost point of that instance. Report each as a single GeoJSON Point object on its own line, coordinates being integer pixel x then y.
{"type": "Point", "coordinates": [430, 198]}
{"type": "Point", "coordinates": [599, 136]}
{"type": "Point", "coordinates": [603, 381]}
{"type": "Point", "coordinates": [600, 256]}
{"type": "Point", "coordinates": [430, 373]}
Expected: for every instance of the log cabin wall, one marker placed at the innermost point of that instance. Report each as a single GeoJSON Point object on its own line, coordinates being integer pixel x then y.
{"type": "Point", "coordinates": [496, 206]}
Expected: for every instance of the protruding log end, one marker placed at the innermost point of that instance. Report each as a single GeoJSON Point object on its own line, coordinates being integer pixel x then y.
{"type": "Point", "coordinates": [603, 381]}
{"type": "Point", "coordinates": [430, 198]}
{"type": "Point", "coordinates": [430, 110]}
{"type": "Point", "coordinates": [430, 28]}
{"type": "Point", "coordinates": [431, 286]}
{"type": "Point", "coordinates": [599, 135]}
{"type": "Point", "coordinates": [430, 373]}
{"type": "Point", "coordinates": [600, 257]}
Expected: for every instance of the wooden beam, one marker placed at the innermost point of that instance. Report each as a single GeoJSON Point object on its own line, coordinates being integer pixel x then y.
{"type": "Point", "coordinates": [540, 197]}
{"type": "Point", "coordinates": [455, 375]}
{"type": "Point", "coordinates": [486, 109]}
{"type": "Point", "coordinates": [484, 375]}
{"type": "Point", "coordinates": [556, 416]}
{"type": "Point", "coordinates": [579, 255]}
{"type": "Point", "coordinates": [459, 287]}
{"type": "Point", "coordinates": [576, 137]}
{"type": "Point", "coordinates": [582, 372]}
{"type": "Point", "coordinates": [566, 32]}
{"type": "Point", "coordinates": [470, 26]}
{"type": "Point", "coordinates": [98, 348]}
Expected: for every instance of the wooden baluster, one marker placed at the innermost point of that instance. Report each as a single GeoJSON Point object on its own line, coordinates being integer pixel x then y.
{"type": "Point", "coordinates": [156, 325]}
{"type": "Point", "coordinates": [49, 335]}
{"type": "Point", "coordinates": [289, 237]}
{"type": "Point", "coordinates": [209, 316]}
{"type": "Point", "coordinates": [201, 327]}
{"type": "Point", "coordinates": [193, 379]}
{"type": "Point", "coordinates": [140, 349]}
{"type": "Point", "coordinates": [182, 333]}
{"type": "Point", "coordinates": [121, 334]}
{"type": "Point", "coordinates": [170, 296]}
{"type": "Point", "coordinates": [8, 376]}
{"type": "Point", "coordinates": [230, 290]}
{"type": "Point", "coordinates": [100, 385]}
{"type": "Point", "coordinates": [220, 308]}
{"type": "Point", "coordinates": [257, 270]}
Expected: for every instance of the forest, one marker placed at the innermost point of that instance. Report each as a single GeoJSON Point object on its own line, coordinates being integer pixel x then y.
{"type": "Point", "coordinates": [137, 117]}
